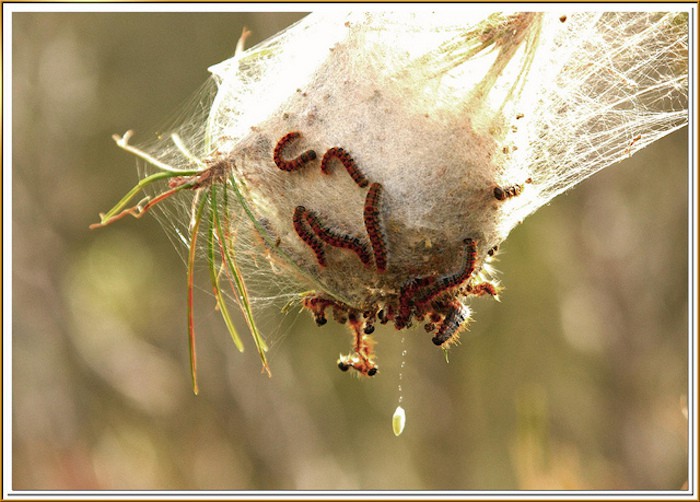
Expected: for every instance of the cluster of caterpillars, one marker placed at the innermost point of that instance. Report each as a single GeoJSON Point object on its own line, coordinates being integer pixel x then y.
{"type": "Point", "coordinates": [310, 227]}
{"type": "Point", "coordinates": [430, 299]}
{"type": "Point", "coordinates": [433, 299]}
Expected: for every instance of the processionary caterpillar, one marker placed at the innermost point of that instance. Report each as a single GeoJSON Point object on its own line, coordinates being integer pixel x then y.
{"type": "Point", "coordinates": [295, 163]}
{"type": "Point", "coordinates": [337, 240]}
{"type": "Point", "coordinates": [302, 230]}
{"type": "Point", "coordinates": [373, 224]}
{"type": "Point", "coordinates": [503, 193]}
{"type": "Point", "coordinates": [450, 281]}
{"type": "Point", "coordinates": [452, 323]}
{"type": "Point", "coordinates": [347, 161]}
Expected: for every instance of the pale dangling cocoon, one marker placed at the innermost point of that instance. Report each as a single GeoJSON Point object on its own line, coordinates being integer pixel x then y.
{"type": "Point", "coordinates": [398, 421]}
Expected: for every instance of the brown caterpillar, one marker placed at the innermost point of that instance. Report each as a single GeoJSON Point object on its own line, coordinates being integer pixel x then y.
{"type": "Point", "coordinates": [372, 216]}
{"type": "Point", "coordinates": [450, 281]}
{"type": "Point", "coordinates": [362, 357]}
{"type": "Point", "coordinates": [295, 163]}
{"type": "Point", "coordinates": [406, 299]}
{"type": "Point", "coordinates": [347, 161]}
{"type": "Point", "coordinates": [503, 193]}
{"type": "Point", "coordinates": [338, 240]}
{"type": "Point", "coordinates": [318, 305]}
{"type": "Point", "coordinates": [483, 288]}
{"type": "Point", "coordinates": [456, 316]}
{"type": "Point", "coordinates": [307, 236]}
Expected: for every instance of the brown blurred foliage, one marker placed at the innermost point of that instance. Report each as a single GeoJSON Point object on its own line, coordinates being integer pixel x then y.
{"type": "Point", "coordinates": [575, 381]}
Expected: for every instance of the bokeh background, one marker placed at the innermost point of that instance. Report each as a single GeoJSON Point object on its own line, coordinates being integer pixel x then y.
{"type": "Point", "coordinates": [577, 380]}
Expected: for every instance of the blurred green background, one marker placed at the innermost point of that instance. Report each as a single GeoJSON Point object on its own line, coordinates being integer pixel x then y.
{"type": "Point", "coordinates": [577, 380]}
